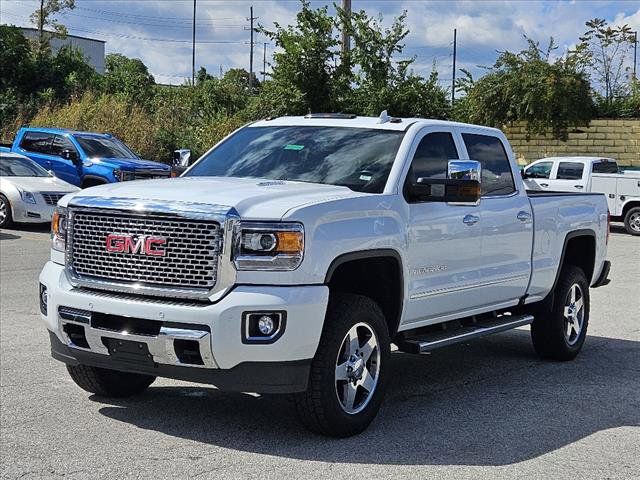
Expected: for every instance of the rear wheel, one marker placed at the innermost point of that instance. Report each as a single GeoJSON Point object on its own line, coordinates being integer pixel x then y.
{"type": "Point", "coordinates": [632, 221]}
{"type": "Point", "coordinates": [560, 326]}
{"type": "Point", "coordinates": [348, 373]}
{"type": "Point", "coordinates": [109, 383]}
{"type": "Point", "coordinates": [6, 219]}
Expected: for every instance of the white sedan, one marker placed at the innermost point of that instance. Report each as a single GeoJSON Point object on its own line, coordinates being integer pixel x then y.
{"type": "Point", "coordinates": [28, 193]}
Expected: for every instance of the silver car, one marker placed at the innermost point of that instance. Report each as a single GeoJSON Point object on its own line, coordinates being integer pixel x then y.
{"type": "Point", "coordinates": [28, 193]}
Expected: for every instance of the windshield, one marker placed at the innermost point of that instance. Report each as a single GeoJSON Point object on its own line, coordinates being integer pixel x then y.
{"type": "Point", "coordinates": [20, 167]}
{"type": "Point", "coordinates": [103, 147]}
{"type": "Point", "coordinates": [357, 158]}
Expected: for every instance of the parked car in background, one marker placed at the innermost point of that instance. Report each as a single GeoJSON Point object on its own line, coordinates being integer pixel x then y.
{"type": "Point", "coordinates": [28, 193]}
{"type": "Point", "coordinates": [591, 174]}
{"type": "Point", "coordinates": [84, 159]}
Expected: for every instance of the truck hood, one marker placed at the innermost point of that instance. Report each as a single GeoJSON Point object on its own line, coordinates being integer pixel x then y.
{"type": "Point", "coordinates": [128, 163]}
{"type": "Point", "coordinates": [41, 184]}
{"type": "Point", "coordinates": [251, 198]}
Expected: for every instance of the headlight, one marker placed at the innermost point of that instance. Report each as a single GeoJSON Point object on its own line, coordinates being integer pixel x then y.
{"type": "Point", "coordinates": [268, 246]}
{"type": "Point", "coordinates": [59, 229]}
{"type": "Point", "coordinates": [27, 197]}
{"type": "Point", "coordinates": [124, 175]}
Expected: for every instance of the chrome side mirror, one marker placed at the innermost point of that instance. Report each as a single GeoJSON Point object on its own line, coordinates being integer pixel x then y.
{"type": "Point", "coordinates": [464, 170]}
{"type": "Point", "coordinates": [461, 187]}
{"type": "Point", "coordinates": [181, 158]}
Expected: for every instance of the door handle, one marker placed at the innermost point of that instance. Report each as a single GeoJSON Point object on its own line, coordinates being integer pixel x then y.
{"type": "Point", "coordinates": [524, 216]}
{"type": "Point", "coordinates": [470, 219]}
{"type": "Point", "coordinates": [544, 184]}
{"type": "Point", "coordinates": [579, 186]}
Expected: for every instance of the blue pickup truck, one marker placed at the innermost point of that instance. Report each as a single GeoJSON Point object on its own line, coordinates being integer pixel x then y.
{"type": "Point", "coordinates": [84, 159]}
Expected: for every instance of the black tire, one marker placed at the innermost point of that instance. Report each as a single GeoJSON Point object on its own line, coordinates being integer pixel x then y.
{"type": "Point", "coordinates": [109, 383]}
{"type": "Point", "coordinates": [7, 221]}
{"type": "Point", "coordinates": [632, 221]}
{"type": "Point", "coordinates": [549, 329]}
{"type": "Point", "coordinates": [319, 408]}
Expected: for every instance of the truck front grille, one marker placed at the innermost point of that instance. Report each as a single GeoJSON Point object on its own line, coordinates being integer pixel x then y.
{"type": "Point", "coordinates": [149, 174]}
{"type": "Point", "coordinates": [190, 250]}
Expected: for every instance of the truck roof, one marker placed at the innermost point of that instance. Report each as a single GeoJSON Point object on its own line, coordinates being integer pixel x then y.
{"type": "Point", "coordinates": [62, 130]}
{"type": "Point", "coordinates": [581, 159]}
{"type": "Point", "coordinates": [341, 120]}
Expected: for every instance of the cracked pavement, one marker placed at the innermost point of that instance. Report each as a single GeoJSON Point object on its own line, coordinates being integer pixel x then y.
{"type": "Point", "coordinates": [489, 408]}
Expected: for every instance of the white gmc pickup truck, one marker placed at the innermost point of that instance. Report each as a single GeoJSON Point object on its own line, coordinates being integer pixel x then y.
{"type": "Point", "coordinates": [290, 257]}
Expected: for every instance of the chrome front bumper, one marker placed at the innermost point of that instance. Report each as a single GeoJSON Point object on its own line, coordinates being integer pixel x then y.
{"type": "Point", "coordinates": [161, 348]}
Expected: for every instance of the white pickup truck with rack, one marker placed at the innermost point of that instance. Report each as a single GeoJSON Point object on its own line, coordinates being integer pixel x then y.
{"type": "Point", "coordinates": [591, 174]}
{"type": "Point", "coordinates": [290, 256]}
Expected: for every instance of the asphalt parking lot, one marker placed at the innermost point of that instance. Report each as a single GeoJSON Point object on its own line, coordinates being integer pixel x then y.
{"type": "Point", "coordinates": [487, 409]}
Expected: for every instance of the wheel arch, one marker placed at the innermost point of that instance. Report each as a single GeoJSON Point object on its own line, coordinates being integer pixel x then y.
{"type": "Point", "coordinates": [92, 181]}
{"type": "Point", "coordinates": [628, 206]}
{"type": "Point", "coordinates": [584, 239]}
{"type": "Point", "coordinates": [357, 272]}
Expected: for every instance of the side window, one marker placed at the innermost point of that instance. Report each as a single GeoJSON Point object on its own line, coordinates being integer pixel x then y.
{"type": "Point", "coordinates": [570, 171]}
{"type": "Point", "coordinates": [605, 167]}
{"type": "Point", "coordinates": [497, 178]}
{"type": "Point", "coordinates": [539, 170]}
{"type": "Point", "coordinates": [37, 142]}
{"type": "Point", "coordinates": [61, 143]}
{"type": "Point", "coordinates": [432, 156]}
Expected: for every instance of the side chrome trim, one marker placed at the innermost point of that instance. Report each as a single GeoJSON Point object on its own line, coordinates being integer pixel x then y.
{"type": "Point", "coordinates": [226, 216]}
{"type": "Point", "coordinates": [441, 291]}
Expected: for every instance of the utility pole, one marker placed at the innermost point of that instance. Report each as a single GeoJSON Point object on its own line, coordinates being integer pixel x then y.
{"type": "Point", "coordinates": [251, 19]}
{"type": "Point", "coordinates": [41, 28]}
{"type": "Point", "coordinates": [635, 53]}
{"type": "Point", "coordinates": [193, 47]}
{"type": "Point", "coordinates": [264, 61]}
{"type": "Point", "coordinates": [346, 40]}
{"type": "Point", "coordinates": [453, 77]}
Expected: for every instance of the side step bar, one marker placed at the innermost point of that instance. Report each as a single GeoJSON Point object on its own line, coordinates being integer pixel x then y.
{"type": "Point", "coordinates": [430, 341]}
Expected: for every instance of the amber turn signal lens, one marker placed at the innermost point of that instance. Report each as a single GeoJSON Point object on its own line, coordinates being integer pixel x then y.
{"type": "Point", "coordinates": [289, 242]}
{"type": "Point", "coordinates": [55, 222]}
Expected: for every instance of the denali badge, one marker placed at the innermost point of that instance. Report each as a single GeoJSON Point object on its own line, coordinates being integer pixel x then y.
{"type": "Point", "coordinates": [141, 245]}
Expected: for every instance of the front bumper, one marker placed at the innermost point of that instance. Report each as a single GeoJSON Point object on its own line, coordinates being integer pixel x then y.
{"type": "Point", "coordinates": [227, 362]}
{"type": "Point", "coordinates": [31, 213]}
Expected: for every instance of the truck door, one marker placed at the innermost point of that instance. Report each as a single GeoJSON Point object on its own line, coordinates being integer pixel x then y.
{"type": "Point", "coordinates": [68, 169]}
{"type": "Point", "coordinates": [569, 177]}
{"type": "Point", "coordinates": [35, 145]}
{"type": "Point", "coordinates": [506, 223]}
{"type": "Point", "coordinates": [444, 240]}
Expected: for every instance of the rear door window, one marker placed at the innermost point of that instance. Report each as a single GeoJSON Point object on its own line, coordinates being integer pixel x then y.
{"type": "Point", "coordinates": [497, 178]}
{"type": "Point", "coordinates": [570, 171]}
{"type": "Point", "coordinates": [605, 167]}
{"type": "Point", "coordinates": [539, 170]}
{"type": "Point", "coordinates": [38, 142]}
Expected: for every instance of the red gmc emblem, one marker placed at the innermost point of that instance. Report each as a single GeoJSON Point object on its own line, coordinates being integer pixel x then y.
{"type": "Point", "coordinates": [141, 245]}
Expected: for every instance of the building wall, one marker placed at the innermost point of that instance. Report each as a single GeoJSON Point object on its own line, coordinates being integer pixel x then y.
{"type": "Point", "coordinates": [618, 139]}
{"type": "Point", "coordinates": [93, 50]}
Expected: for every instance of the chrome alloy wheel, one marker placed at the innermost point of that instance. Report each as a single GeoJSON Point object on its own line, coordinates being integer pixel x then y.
{"type": "Point", "coordinates": [574, 314]}
{"type": "Point", "coordinates": [357, 368]}
{"type": "Point", "coordinates": [3, 211]}
{"type": "Point", "coordinates": [634, 222]}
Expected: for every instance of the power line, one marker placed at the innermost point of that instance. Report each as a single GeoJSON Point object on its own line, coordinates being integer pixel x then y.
{"type": "Point", "coordinates": [136, 22]}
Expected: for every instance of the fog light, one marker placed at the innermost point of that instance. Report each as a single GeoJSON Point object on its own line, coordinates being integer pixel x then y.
{"type": "Point", "coordinates": [265, 325]}
{"type": "Point", "coordinates": [44, 299]}
{"type": "Point", "coordinates": [262, 327]}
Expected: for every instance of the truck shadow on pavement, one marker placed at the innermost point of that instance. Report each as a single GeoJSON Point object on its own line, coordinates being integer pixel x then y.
{"type": "Point", "coordinates": [491, 402]}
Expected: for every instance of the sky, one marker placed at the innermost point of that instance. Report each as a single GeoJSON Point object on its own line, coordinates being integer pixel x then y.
{"type": "Point", "coordinates": [159, 31]}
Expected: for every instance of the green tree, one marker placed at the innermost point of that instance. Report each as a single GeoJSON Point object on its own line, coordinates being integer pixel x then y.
{"type": "Point", "coordinates": [604, 51]}
{"type": "Point", "coordinates": [128, 77]}
{"type": "Point", "coordinates": [44, 17]}
{"type": "Point", "coordinates": [308, 57]}
{"type": "Point", "coordinates": [527, 86]}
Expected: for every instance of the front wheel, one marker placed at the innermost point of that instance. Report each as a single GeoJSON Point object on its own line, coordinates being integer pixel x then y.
{"type": "Point", "coordinates": [6, 219]}
{"type": "Point", "coordinates": [109, 383]}
{"type": "Point", "coordinates": [560, 326]}
{"type": "Point", "coordinates": [632, 221]}
{"type": "Point", "coordinates": [348, 372]}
